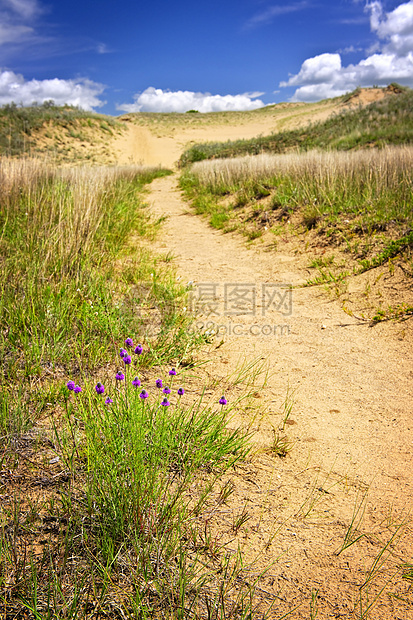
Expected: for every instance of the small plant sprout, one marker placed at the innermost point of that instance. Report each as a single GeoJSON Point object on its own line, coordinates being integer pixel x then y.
{"type": "Point", "coordinates": [166, 390]}
{"type": "Point", "coordinates": [100, 389]}
{"type": "Point", "coordinates": [119, 376]}
{"type": "Point", "coordinates": [239, 521]}
{"type": "Point", "coordinates": [139, 349]}
{"type": "Point", "coordinates": [223, 401]}
{"type": "Point", "coordinates": [159, 383]}
{"type": "Point", "coordinates": [165, 402]}
{"type": "Point", "coordinates": [70, 385]}
{"type": "Point", "coordinates": [136, 382]}
{"type": "Point", "coordinates": [144, 394]}
{"type": "Point", "coordinates": [129, 342]}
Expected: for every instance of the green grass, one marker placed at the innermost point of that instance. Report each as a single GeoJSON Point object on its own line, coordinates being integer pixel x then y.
{"type": "Point", "coordinates": [385, 122]}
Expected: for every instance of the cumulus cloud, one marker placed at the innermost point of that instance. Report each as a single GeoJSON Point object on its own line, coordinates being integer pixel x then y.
{"type": "Point", "coordinates": [158, 100]}
{"type": "Point", "coordinates": [389, 60]}
{"type": "Point", "coordinates": [80, 92]}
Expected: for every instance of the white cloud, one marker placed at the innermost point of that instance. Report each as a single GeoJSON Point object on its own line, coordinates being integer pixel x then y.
{"type": "Point", "coordinates": [158, 100]}
{"type": "Point", "coordinates": [102, 48]}
{"type": "Point", "coordinates": [267, 16]}
{"type": "Point", "coordinates": [349, 50]}
{"type": "Point", "coordinates": [23, 8]}
{"type": "Point", "coordinates": [12, 33]}
{"type": "Point", "coordinates": [16, 20]}
{"type": "Point", "coordinates": [390, 59]}
{"type": "Point", "coordinates": [318, 70]}
{"type": "Point", "coordinates": [80, 92]}
{"type": "Point", "coordinates": [397, 28]}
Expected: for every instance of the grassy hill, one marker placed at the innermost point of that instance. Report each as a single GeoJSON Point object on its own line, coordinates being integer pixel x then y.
{"type": "Point", "coordinates": [387, 121]}
{"type": "Point", "coordinates": [64, 132]}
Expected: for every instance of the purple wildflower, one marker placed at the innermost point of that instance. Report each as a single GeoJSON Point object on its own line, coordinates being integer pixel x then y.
{"type": "Point", "coordinates": [127, 359]}
{"type": "Point", "coordinates": [172, 372]}
{"type": "Point", "coordinates": [136, 382]}
{"type": "Point", "coordinates": [139, 349]}
{"type": "Point", "coordinates": [119, 376]}
{"type": "Point", "coordinates": [159, 383]}
{"type": "Point", "coordinates": [123, 352]}
{"type": "Point", "coordinates": [70, 385]}
{"type": "Point", "coordinates": [181, 392]}
{"type": "Point", "coordinates": [166, 390]}
{"type": "Point", "coordinates": [222, 401]}
{"type": "Point", "coordinates": [144, 394]}
{"type": "Point", "coordinates": [108, 401]}
{"type": "Point", "coordinates": [77, 389]}
{"type": "Point", "coordinates": [100, 389]}
{"type": "Point", "coordinates": [129, 342]}
{"type": "Point", "coordinates": [165, 402]}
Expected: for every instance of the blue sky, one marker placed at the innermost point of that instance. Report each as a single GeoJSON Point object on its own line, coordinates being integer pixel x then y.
{"type": "Point", "coordinates": [123, 56]}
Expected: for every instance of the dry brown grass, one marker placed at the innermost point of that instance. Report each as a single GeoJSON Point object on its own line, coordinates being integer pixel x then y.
{"type": "Point", "coordinates": [65, 210]}
{"type": "Point", "coordinates": [381, 167]}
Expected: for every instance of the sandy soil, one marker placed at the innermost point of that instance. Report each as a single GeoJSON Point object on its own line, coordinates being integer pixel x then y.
{"type": "Point", "coordinates": [351, 424]}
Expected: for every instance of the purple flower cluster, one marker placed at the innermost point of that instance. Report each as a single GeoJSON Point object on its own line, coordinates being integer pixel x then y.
{"type": "Point", "coordinates": [129, 344]}
{"type": "Point", "coordinates": [72, 387]}
{"type": "Point", "coordinates": [100, 388]}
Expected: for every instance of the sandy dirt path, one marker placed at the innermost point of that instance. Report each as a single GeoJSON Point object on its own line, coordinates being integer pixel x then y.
{"type": "Point", "coordinates": [351, 423]}
{"type": "Point", "coordinates": [162, 142]}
